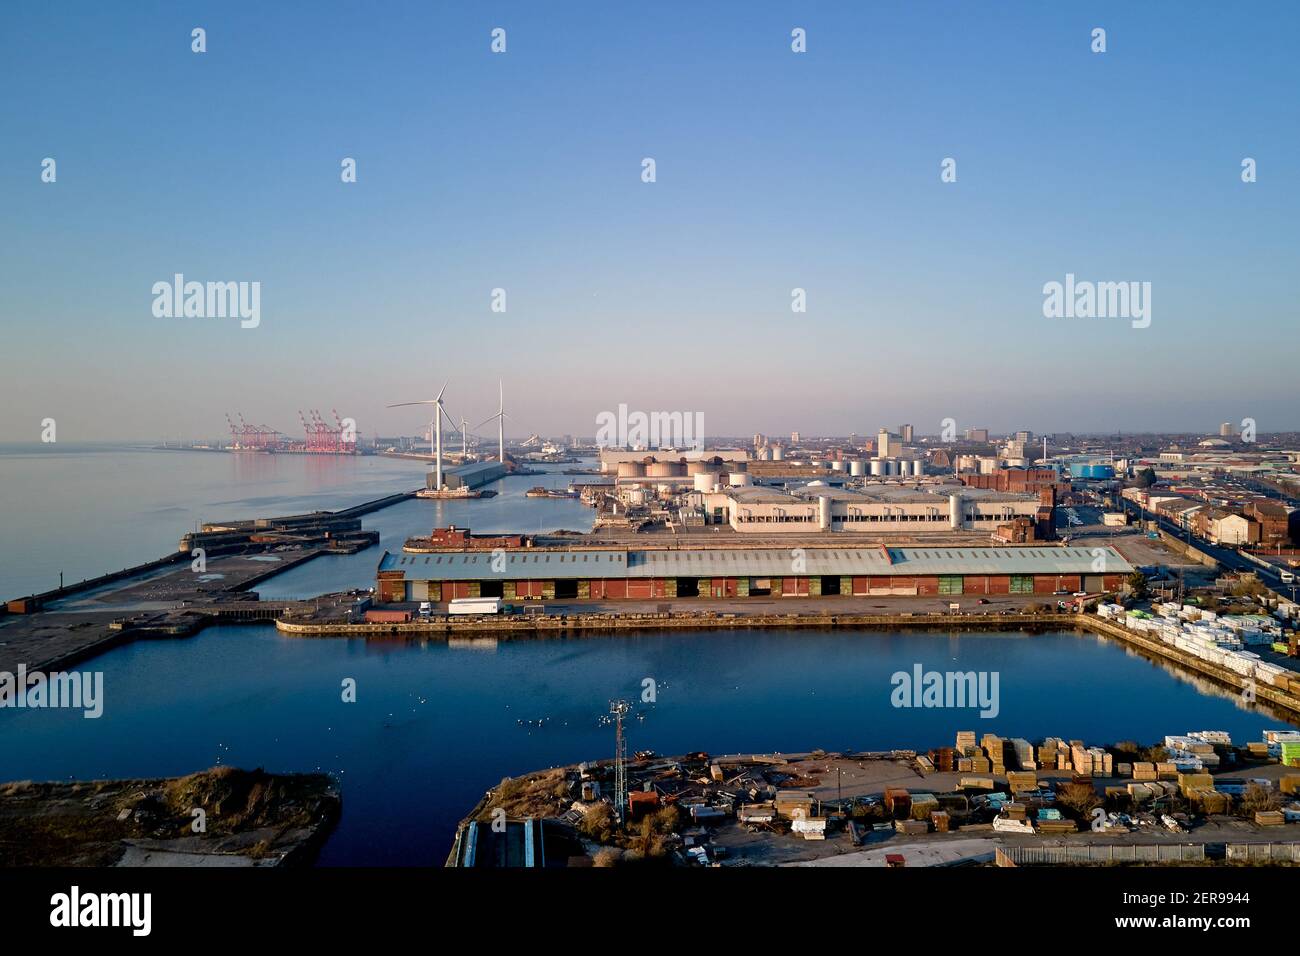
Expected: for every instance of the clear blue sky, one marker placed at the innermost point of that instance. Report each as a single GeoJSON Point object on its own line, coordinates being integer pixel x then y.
{"type": "Point", "coordinates": [775, 171]}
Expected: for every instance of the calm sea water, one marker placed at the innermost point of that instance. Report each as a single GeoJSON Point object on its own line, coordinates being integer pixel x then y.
{"type": "Point", "coordinates": [87, 509]}
{"type": "Point", "coordinates": [434, 726]}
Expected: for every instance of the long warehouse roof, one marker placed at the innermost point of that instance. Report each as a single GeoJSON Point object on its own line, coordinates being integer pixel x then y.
{"type": "Point", "coordinates": [754, 562]}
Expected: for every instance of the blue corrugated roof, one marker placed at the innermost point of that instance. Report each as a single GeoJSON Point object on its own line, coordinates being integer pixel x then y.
{"type": "Point", "coordinates": [754, 562]}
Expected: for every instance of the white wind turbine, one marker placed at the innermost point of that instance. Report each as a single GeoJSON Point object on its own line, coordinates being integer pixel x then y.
{"type": "Point", "coordinates": [500, 418]}
{"type": "Point", "coordinates": [439, 413]}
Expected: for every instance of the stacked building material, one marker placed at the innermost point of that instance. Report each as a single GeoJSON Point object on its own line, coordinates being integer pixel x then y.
{"type": "Point", "coordinates": [995, 748]}
{"type": "Point", "coordinates": [1054, 827]}
{"type": "Point", "coordinates": [1189, 782]}
{"type": "Point", "coordinates": [976, 783]}
{"type": "Point", "coordinates": [1080, 759]}
{"type": "Point", "coordinates": [1007, 825]}
{"type": "Point", "coordinates": [1270, 818]}
{"type": "Point", "coordinates": [911, 826]}
{"type": "Point", "coordinates": [923, 804]}
{"type": "Point", "coordinates": [1092, 761]}
{"type": "Point", "coordinates": [1210, 801]}
{"type": "Point", "coordinates": [1024, 754]}
{"type": "Point", "coordinates": [791, 803]}
{"type": "Point", "coordinates": [1015, 811]}
{"type": "Point", "coordinates": [1022, 780]}
{"type": "Point", "coordinates": [1145, 771]}
{"type": "Point", "coordinates": [1291, 753]}
{"type": "Point", "coordinates": [898, 802]}
{"type": "Point", "coordinates": [943, 759]}
{"type": "Point", "coordinates": [764, 812]}
{"type": "Point", "coordinates": [954, 802]}
{"type": "Point", "coordinates": [1140, 792]}
{"type": "Point", "coordinates": [1290, 783]}
{"type": "Point", "coordinates": [1103, 759]}
{"type": "Point", "coordinates": [965, 742]}
{"type": "Point", "coordinates": [1167, 771]}
{"type": "Point", "coordinates": [964, 765]}
{"type": "Point", "coordinates": [1047, 752]}
{"type": "Point", "coordinates": [939, 818]}
{"type": "Point", "coordinates": [1125, 769]}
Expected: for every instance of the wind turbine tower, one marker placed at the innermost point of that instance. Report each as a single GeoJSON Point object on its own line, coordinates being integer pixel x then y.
{"type": "Point", "coordinates": [439, 413]}
{"type": "Point", "coordinates": [500, 418]}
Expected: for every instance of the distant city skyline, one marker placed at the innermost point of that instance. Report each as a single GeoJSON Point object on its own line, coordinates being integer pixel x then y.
{"type": "Point", "coordinates": [776, 171]}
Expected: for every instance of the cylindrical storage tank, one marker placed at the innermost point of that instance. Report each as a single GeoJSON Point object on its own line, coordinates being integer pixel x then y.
{"type": "Point", "coordinates": [733, 465]}
{"type": "Point", "coordinates": [738, 479]}
{"type": "Point", "coordinates": [824, 512]}
{"type": "Point", "coordinates": [918, 467]}
{"type": "Point", "coordinates": [889, 467]}
{"type": "Point", "coordinates": [765, 455]}
{"type": "Point", "coordinates": [857, 467]}
{"type": "Point", "coordinates": [665, 469]}
{"type": "Point", "coordinates": [636, 496]}
{"type": "Point", "coordinates": [699, 467]}
{"type": "Point", "coordinates": [877, 467]}
{"type": "Point", "coordinates": [837, 465]}
{"type": "Point", "coordinates": [778, 453]}
{"type": "Point", "coordinates": [706, 480]}
{"type": "Point", "coordinates": [954, 512]}
{"type": "Point", "coordinates": [988, 466]}
{"type": "Point", "coordinates": [631, 469]}
{"type": "Point", "coordinates": [1094, 471]}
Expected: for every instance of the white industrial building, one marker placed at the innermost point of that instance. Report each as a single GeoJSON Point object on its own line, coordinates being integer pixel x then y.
{"type": "Point", "coordinates": [817, 507]}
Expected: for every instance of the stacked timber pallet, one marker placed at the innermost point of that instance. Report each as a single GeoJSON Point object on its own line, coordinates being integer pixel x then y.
{"type": "Point", "coordinates": [1023, 753]}
{"type": "Point", "coordinates": [1023, 780]}
{"type": "Point", "coordinates": [995, 748]}
{"type": "Point", "coordinates": [1144, 772]}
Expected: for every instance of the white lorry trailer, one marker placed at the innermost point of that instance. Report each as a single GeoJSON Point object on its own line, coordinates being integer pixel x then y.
{"type": "Point", "coordinates": [474, 606]}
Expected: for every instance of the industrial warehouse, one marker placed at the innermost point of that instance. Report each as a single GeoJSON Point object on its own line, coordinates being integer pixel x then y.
{"type": "Point", "coordinates": [612, 573]}
{"type": "Point", "coordinates": [817, 507]}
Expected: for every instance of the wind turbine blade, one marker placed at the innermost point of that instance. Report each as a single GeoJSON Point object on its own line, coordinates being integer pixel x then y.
{"type": "Point", "coordinates": [404, 404]}
{"type": "Point", "coordinates": [486, 420]}
{"type": "Point", "coordinates": [441, 390]}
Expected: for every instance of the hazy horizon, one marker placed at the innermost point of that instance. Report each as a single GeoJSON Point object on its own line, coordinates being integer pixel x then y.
{"type": "Point", "coordinates": [775, 171]}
